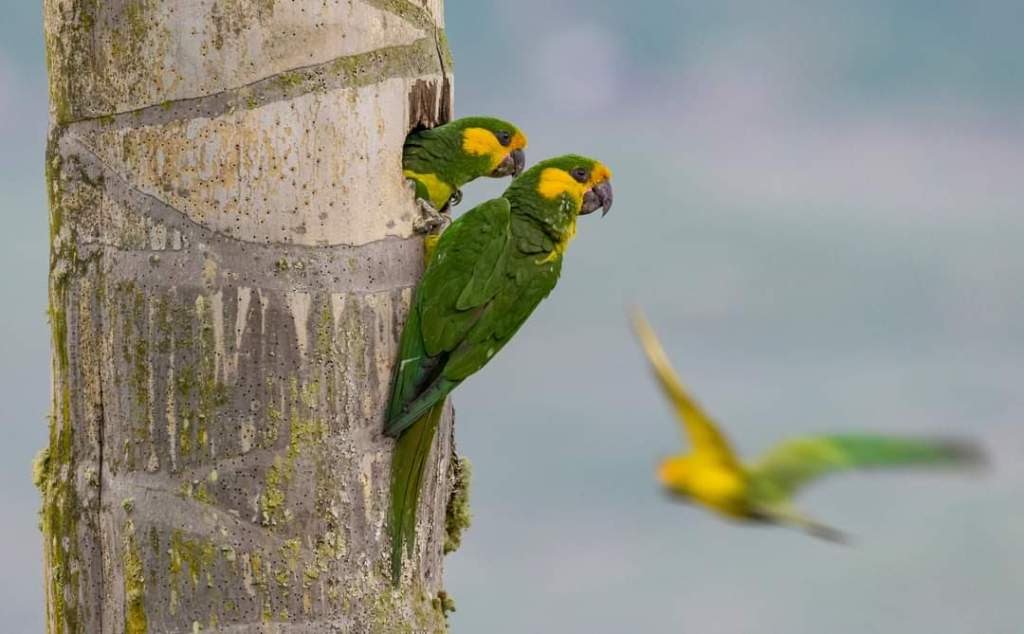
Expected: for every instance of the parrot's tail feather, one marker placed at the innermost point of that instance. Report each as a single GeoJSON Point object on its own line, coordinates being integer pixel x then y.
{"type": "Point", "coordinates": [790, 517]}
{"type": "Point", "coordinates": [827, 533]}
{"type": "Point", "coordinates": [964, 454]}
{"type": "Point", "coordinates": [419, 408]}
{"type": "Point", "coordinates": [407, 465]}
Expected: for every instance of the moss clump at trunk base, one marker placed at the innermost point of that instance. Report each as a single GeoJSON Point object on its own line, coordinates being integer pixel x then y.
{"type": "Point", "coordinates": [457, 516]}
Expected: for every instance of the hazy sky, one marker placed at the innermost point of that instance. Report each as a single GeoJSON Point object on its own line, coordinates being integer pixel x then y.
{"type": "Point", "coordinates": [821, 207]}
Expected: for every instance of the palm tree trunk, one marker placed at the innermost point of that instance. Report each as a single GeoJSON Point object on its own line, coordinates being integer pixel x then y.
{"type": "Point", "coordinates": [232, 257]}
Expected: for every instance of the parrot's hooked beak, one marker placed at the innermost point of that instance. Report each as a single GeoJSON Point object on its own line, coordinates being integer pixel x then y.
{"type": "Point", "coordinates": [599, 197]}
{"type": "Point", "coordinates": [513, 165]}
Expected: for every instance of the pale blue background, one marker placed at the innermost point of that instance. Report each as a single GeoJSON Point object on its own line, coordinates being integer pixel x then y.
{"type": "Point", "coordinates": [821, 206]}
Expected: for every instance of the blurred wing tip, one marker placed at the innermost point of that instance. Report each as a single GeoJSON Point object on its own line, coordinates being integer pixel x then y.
{"type": "Point", "coordinates": [829, 534]}
{"type": "Point", "coordinates": [637, 317]}
{"type": "Point", "coordinates": [967, 453]}
{"type": "Point", "coordinates": [645, 335]}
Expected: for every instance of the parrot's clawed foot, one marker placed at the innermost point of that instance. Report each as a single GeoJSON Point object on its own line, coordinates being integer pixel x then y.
{"type": "Point", "coordinates": [432, 220]}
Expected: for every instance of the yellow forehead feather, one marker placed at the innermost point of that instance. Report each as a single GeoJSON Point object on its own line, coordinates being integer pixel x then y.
{"type": "Point", "coordinates": [599, 174]}
{"type": "Point", "coordinates": [519, 141]}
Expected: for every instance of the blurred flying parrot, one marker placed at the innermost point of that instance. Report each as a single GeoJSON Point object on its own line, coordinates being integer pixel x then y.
{"type": "Point", "coordinates": [492, 267]}
{"type": "Point", "coordinates": [439, 161]}
{"type": "Point", "coordinates": [712, 475]}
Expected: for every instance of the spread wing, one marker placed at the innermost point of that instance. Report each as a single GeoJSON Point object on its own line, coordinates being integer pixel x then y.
{"type": "Point", "coordinates": [793, 464]}
{"type": "Point", "coordinates": [701, 430]}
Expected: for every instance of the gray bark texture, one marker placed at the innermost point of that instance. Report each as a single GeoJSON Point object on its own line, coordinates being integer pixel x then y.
{"type": "Point", "coordinates": [232, 258]}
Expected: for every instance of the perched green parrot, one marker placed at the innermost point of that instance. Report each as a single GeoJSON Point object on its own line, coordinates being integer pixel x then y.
{"type": "Point", "coordinates": [439, 161]}
{"type": "Point", "coordinates": [490, 270]}
{"type": "Point", "coordinates": [712, 475]}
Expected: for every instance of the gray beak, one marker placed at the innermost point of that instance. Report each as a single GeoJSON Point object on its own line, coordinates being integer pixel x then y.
{"type": "Point", "coordinates": [600, 197]}
{"type": "Point", "coordinates": [513, 165]}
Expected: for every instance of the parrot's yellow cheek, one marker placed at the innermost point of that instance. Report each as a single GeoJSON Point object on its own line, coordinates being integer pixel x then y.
{"type": "Point", "coordinates": [482, 142]}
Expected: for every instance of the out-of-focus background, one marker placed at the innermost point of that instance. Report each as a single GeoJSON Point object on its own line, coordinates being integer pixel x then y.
{"type": "Point", "coordinates": [821, 207]}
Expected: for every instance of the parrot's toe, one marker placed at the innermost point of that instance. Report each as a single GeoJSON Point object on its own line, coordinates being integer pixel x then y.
{"type": "Point", "coordinates": [431, 220]}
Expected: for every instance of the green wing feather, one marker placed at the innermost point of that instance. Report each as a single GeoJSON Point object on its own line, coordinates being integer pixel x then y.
{"type": "Point", "coordinates": [463, 276]}
{"type": "Point", "coordinates": [500, 320]}
{"type": "Point", "coordinates": [411, 369]}
{"type": "Point", "coordinates": [426, 151]}
{"type": "Point", "coordinates": [792, 465]}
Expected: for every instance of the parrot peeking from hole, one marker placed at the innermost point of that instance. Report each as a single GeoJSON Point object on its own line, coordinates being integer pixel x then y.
{"type": "Point", "coordinates": [491, 269]}
{"type": "Point", "coordinates": [711, 474]}
{"type": "Point", "coordinates": [439, 161]}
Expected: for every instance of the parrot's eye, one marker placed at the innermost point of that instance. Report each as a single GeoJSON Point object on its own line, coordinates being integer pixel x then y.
{"type": "Point", "coordinates": [504, 137]}
{"type": "Point", "coordinates": [580, 174]}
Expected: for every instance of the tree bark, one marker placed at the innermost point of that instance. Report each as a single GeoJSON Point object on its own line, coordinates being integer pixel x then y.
{"type": "Point", "coordinates": [232, 257]}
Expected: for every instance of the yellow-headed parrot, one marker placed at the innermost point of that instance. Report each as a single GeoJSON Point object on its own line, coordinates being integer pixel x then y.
{"type": "Point", "coordinates": [439, 161]}
{"type": "Point", "coordinates": [490, 270]}
{"type": "Point", "coordinates": [711, 473]}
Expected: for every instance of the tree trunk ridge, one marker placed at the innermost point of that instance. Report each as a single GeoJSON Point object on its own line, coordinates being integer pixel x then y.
{"type": "Point", "coordinates": [232, 258]}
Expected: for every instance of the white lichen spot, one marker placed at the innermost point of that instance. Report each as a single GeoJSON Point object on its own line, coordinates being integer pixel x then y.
{"type": "Point", "coordinates": [158, 237]}
{"type": "Point", "coordinates": [209, 272]}
{"type": "Point", "coordinates": [217, 310]}
{"type": "Point", "coordinates": [241, 319]}
{"type": "Point", "coordinates": [172, 417]}
{"type": "Point", "coordinates": [299, 304]}
{"type": "Point", "coordinates": [366, 463]}
{"type": "Point", "coordinates": [151, 389]}
{"type": "Point", "coordinates": [263, 316]}
{"type": "Point", "coordinates": [247, 579]}
{"type": "Point", "coordinates": [247, 434]}
{"type": "Point", "coordinates": [153, 463]}
{"type": "Point", "coordinates": [337, 306]}
{"type": "Point", "coordinates": [173, 600]}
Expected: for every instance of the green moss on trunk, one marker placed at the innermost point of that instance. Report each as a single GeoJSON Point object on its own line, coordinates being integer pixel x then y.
{"type": "Point", "coordinates": [56, 474]}
{"type": "Point", "coordinates": [135, 621]}
{"type": "Point", "coordinates": [457, 517]}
